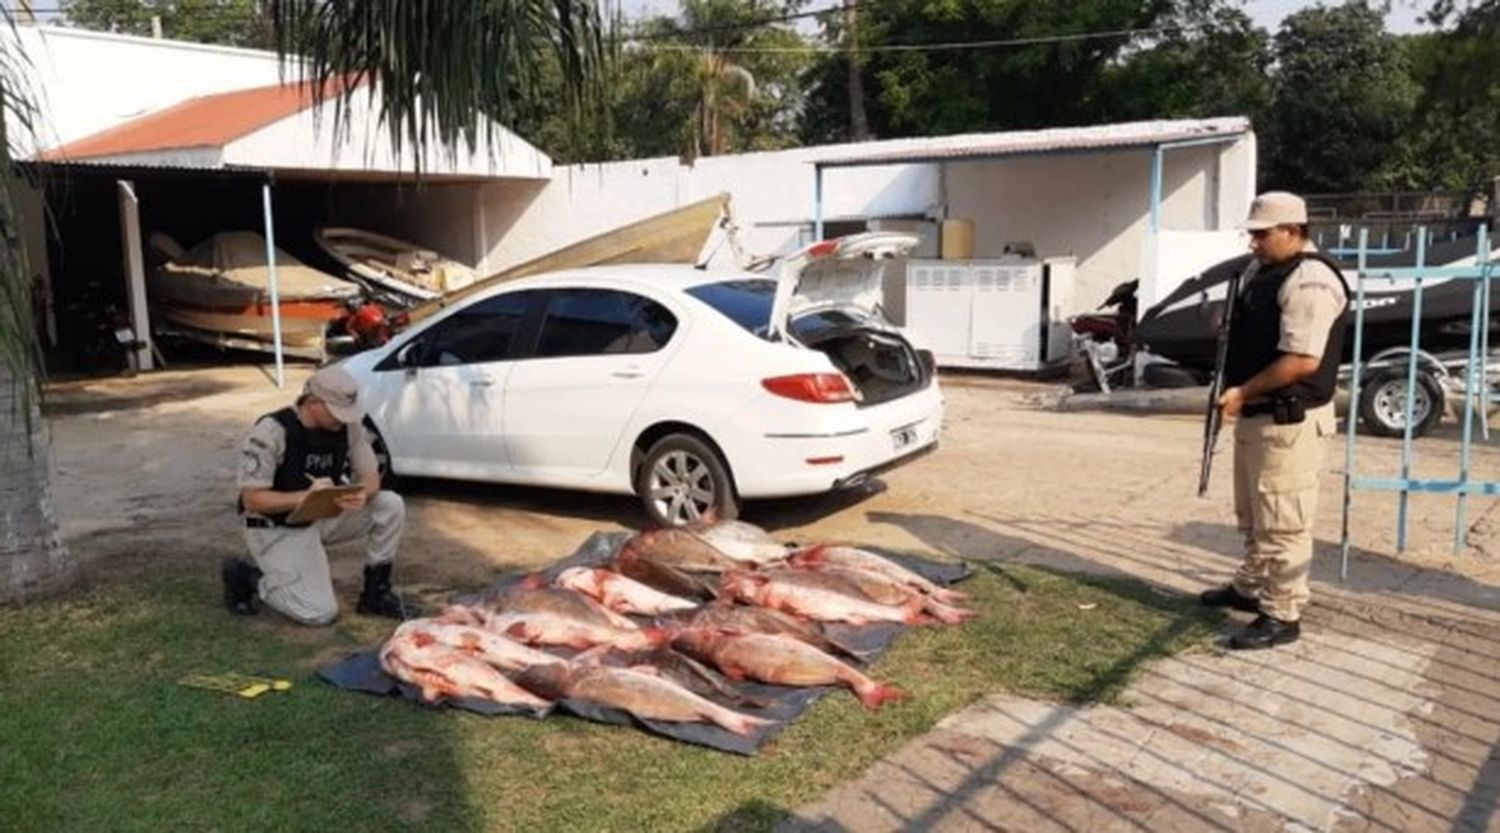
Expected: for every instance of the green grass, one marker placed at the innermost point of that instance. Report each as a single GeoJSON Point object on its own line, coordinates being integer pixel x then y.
{"type": "Point", "coordinates": [96, 735]}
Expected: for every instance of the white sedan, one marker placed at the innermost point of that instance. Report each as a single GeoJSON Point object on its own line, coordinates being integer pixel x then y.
{"type": "Point", "coordinates": [692, 389]}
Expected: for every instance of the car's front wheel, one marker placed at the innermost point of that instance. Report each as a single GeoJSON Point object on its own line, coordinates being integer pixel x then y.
{"type": "Point", "coordinates": [681, 479]}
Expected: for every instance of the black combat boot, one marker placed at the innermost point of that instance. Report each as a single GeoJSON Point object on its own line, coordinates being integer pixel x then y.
{"type": "Point", "coordinates": [241, 581]}
{"type": "Point", "coordinates": [1227, 596]}
{"type": "Point", "coordinates": [1265, 632]}
{"type": "Point", "coordinates": [377, 598]}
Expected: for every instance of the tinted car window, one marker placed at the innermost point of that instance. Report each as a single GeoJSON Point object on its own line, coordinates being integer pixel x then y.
{"type": "Point", "coordinates": [815, 325]}
{"type": "Point", "coordinates": [481, 332]}
{"type": "Point", "coordinates": [745, 302]}
{"type": "Point", "coordinates": [592, 322]}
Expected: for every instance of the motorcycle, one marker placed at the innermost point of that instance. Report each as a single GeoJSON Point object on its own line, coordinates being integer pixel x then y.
{"type": "Point", "coordinates": [1104, 344]}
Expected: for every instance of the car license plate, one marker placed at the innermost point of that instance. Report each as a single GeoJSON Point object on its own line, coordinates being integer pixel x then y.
{"type": "Point", "coordinates": [903, 437]}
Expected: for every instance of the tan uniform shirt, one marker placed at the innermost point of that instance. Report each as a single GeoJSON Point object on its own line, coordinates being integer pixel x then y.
{"type": "Point", "coordinates": [1311, 299]}
{"type": "Point", "coordinates": [263, 448]}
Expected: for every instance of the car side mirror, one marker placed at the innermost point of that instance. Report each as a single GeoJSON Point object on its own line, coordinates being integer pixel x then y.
{"type": "Point", "coordinates": [410, 355]}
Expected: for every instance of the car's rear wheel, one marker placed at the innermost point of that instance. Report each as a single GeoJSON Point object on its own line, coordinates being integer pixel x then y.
{"type": "Point", "coordinates": [682, 479]}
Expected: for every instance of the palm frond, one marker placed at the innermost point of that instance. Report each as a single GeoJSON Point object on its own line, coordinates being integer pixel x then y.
{"type": "Point", "coordinates": [439, 67]}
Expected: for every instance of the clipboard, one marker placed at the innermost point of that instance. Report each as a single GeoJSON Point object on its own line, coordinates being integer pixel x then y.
{"type": "Point", "coordinates": [320, 503]}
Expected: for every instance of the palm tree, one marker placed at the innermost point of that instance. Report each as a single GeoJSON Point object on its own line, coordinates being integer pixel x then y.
{"type": "Point", "coordinates": [33, 559]}
{"type": "Point", "coordinates": [439, 66]}
{"type": "Point", "coordinates": [725, 92]}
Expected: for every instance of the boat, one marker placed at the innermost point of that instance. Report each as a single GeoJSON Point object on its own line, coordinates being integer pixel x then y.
{"type": "Point", "coordinates": [676, 236]}
{"type": "Point", "coordinates": [219, 292]}
{"type": "Point", "coordinates": [1182, 326]}
{"type": "Point", "coordinates": [411, 272]}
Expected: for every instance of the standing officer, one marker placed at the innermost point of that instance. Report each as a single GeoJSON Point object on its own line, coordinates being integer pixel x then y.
{"type": "Point", "coordinates": [288, 453]}
{"type": "Point", "coordinates": [1280, 374]}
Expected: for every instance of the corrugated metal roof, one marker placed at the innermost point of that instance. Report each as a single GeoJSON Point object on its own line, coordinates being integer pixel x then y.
{"type": "Point", "coordinates": [209, 121]}
{"type": "Point", "coordinates": [1051, 140]}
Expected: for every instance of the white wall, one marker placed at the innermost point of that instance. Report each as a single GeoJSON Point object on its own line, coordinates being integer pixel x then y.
{"type": "Point", "coordinates": [309, 141]}
{"type": "Point", "coordinates": [771, 200]}
{"type": "Point", "coordinates": [1093, 206]}
{"type": "Point", "coordinates": [85, 82]}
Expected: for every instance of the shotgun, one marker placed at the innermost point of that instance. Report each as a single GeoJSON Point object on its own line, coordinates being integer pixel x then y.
{"type": "Point", "coordinates": [1214, 420]}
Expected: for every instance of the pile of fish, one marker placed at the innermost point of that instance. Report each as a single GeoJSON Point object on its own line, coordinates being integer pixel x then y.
{"type": "Point", "coordinates": [666, 628]}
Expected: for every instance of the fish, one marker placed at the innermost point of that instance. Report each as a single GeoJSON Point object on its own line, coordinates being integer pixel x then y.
{"type": "Point", "coordinates": [680, 548]}
{"type": "Point", "coordinates": [644, 695]}
{"type": "Point", "coordinates": [475, 641]}
{"type": "Point", "coordinates": [695, 677]}
{"type": "Point", "coordinates": [437, 669]}
{"type": "Point", "coordinates": [881, 588]}
{"type": "Point", "coordinates": [664, 578]}
{"type": "Point", "coordinates": [533, 596]}
{"type": "Point", "coordinates": [743, 542]}
{"type": "Point", "coordinates": [780, 660]}
{"type": "Point", "coordinates": [547, 627]}
{"type": "Point", "coordinates": [819, 600]}
{"type": "Point", "coordinates": [735, 618]}
{"type": "Point", "coordinates": [620, 593]}
{"type": "Point", "coordinates": [866, 560]}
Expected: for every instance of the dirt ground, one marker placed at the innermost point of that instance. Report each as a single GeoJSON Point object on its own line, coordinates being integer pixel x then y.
{"type": "Point", "coordinates": [1395, 683]}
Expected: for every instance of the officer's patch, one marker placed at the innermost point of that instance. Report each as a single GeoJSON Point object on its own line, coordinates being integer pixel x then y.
{"type": "Point", "coordinates": [250, 463]}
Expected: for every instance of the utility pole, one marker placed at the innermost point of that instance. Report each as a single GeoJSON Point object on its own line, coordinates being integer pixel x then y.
{"type": "Point", "coordinates": [859, 126]}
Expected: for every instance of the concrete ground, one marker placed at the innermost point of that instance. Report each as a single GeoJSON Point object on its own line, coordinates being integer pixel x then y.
{"type": "Point", "coordinates": [1384, 716]}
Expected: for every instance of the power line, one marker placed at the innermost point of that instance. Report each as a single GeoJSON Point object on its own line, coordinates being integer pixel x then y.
{"type": "Point", "coordinates": [931, 47]}
{"type": "Point", "coordinates": [734, 27]}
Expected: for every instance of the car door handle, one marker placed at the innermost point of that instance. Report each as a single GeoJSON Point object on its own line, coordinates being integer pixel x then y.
{"type": "Point", "coordinates": [482, 381]}
{"type": "Point", "coordinates": [627, 374]}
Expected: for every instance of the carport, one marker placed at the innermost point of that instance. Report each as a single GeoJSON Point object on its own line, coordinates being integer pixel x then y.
{"type": "Point", "coordinates": [273, 159]}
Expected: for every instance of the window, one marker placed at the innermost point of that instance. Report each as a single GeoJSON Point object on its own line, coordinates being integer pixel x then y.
{"type": "Point", "coordinates": [745, 302]}
{"type": "Point", "coordinates": [481, 332]}
{"type": "Point", "coordinates": [593, 322]}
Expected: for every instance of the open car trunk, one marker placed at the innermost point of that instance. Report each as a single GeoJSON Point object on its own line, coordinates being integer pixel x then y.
{"type": "Point", "coordinates": [880, 363]}
{"type": "Point", "coordinates": [828, 298]}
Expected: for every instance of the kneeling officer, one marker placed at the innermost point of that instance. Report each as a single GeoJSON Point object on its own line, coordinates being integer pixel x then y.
{"type": "Point", "coordinates": [287, 454]}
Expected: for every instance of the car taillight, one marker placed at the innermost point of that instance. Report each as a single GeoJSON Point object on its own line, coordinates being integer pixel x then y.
{"type": "Point", "coordinates": [812, 387]}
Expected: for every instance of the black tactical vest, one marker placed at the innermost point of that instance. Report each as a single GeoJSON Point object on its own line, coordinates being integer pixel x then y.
{"type": "Point", "coordinates": [310, 452]}
{"type": "Point", "coordinates": [1255, 332]}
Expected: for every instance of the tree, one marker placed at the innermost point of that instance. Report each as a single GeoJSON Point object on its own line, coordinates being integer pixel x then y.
{"type": "Point", "coordinates": [1213, 61]}
{"type": "Point", "coordinates": [1343, 98]}
{"type": "Point", "coordinates": [33, 559]}
{"type": "Point", "coordinates": [1452, 142]}
{"type": "Point", "coordinates": [230, 22]}
{"type": "Point", "coordinates": [1050, 64]}
{"type": "Point", "coordinates": [716, 76]}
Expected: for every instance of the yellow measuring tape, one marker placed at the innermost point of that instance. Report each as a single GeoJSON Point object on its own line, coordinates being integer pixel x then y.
{"type": "Point", "coordinates": [241, 685]}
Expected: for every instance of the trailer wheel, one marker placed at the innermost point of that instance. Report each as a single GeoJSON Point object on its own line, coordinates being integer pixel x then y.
{"type": "Point", "coordinates": [1382, 403]}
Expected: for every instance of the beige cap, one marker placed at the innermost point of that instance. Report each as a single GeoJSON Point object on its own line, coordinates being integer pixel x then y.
{"type": "Point", "coordinates": [334, 387]}
{"type": "Point", "coordinates": [1275, 208]}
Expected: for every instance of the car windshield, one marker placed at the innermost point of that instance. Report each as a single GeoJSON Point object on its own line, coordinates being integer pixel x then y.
{"type": "Point", "coordinates": [746, 302]}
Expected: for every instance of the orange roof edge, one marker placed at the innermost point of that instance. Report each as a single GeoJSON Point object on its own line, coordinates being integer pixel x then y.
{"type": "Point", "coordinates": [205, 121]}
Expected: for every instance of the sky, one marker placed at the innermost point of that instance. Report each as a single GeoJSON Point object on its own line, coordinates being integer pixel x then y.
{"type": "Point", "coordinates": [1266, 13]}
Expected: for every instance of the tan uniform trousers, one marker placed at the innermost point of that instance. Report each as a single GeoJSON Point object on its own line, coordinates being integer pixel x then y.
{"type": "Point", "coordinates": [1276, 470]}
{"type": "Point", "coordinates": [296, 581]}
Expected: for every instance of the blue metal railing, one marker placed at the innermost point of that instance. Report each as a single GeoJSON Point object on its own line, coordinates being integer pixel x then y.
{"type": "Point", "coordinates": [1476, 392]}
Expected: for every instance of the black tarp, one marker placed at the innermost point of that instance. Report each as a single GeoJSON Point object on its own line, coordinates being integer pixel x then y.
{"type": "Point", "coordinates": [361, 671]}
